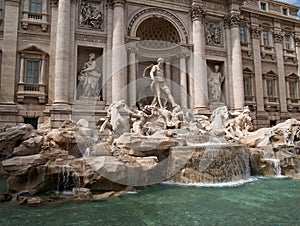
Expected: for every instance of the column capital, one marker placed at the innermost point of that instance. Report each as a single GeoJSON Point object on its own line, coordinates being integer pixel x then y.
{"type": "Point", "coordinates": [109, 4]}
{"type": "Point", "coordinates": [132, 49]}
{"type": "Point", "coordinates": [116, 3]}
{"type": "Point", "coordinates": [232, 20]}
{"type": "Point", "coordinates": [197, 11]}
{"type": "Point", "coordinates": [297, 40]}
{"type": "Point", "coordinates": [255, 32]}
{"type": "Point", "coordinates": [54, 3]}
{"type": "Point", "coordinates": [278, 36]}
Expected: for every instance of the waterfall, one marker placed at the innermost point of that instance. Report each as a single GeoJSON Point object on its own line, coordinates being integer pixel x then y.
{"type": "Point", "coordinates": [67, 180]}
{"type": "Point", "coordinates": [87, 152]}
{"type": "Point", "coordinates": [276, 165]}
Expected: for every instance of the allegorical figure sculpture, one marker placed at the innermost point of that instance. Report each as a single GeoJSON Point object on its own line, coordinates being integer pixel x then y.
{"type": "Point", "coordinates": [215, 82]}
{"type": "Point", "coordinates": [89, 78]}
{"type": "Point", "coordinates": [158, 85]}
{"type": "Point", "coordinates": [90, 16]}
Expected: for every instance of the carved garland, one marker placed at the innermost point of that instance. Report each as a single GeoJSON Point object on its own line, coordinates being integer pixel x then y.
{"type": "Point", "coordinates": [255, 32]}
{"type": "Point", "coordinates": [159, 11]}
{"type": "Point", "coordinates": [278, 36]}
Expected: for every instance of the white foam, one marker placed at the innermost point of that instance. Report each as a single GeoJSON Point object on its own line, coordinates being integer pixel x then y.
{"type": "Point", "coordinates": [204, 144]}
{"type": "Point", "coordinates": [217, 185]}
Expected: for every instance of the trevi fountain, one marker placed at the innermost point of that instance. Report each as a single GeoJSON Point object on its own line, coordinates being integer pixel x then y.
{"type": "Point", "coordinates": [154, 164]}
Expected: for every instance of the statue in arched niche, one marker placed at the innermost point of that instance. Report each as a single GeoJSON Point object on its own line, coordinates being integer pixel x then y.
{"type": "Point", "coordinates": [215, 81]}
{"type": "Point", "coordinates": [89, 76]}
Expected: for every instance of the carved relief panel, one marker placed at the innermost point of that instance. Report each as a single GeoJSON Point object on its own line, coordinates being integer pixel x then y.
{"type": "Point", "coordinates": [213, 33]}
{"type": "Point", "coordinates": [91, 14]}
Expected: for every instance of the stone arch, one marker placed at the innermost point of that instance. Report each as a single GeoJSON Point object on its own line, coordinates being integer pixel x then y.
{"type": "Point", "coordinates": [157, 12]}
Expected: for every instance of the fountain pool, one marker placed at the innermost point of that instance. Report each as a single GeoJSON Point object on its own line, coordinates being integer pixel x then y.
{"type": "Point", "coordinates": [267, 201]}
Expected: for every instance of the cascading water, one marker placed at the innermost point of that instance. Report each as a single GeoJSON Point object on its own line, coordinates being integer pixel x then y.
{"type": "Point", "coordinates": [67, 180]}
{"type": "Point", "coordinates": [276, 165]}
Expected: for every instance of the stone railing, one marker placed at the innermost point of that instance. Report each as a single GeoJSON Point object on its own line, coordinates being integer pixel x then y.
{"type": "Point", "coordinates": [26, 90]}
{"type": "Point", "coordinates": [35, 18]}
{"type": "Point", "coordinates": [272, 103]}
{"type": "Point", "coordinates": [293, 104]}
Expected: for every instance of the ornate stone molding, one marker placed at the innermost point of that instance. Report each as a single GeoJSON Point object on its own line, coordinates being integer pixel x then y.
{"type": "Point", "coordinates": [160, 11]}
{"type": "Point", "coordinates": [278, 36]}
{"type": "Point", "coordinates": [197, 12]}
{"type": "Point", "coordinates": [232, 20]}
{"type": "Point", "coordinates": [109, 4]}
{"type": "Point", "coordinates": [90, 38]}
{"type": "Point", "coordinates": [132, 49]}
{"type": "Point", "coordinates": [54, 2]}
{"type": "Point", "coordinates": [255, 32]}
{"type": "Point", "coordinates": [297, 40]}
{"type": "Point", "coordinates": [118, 3]}
{"type": "Point", "coordinates": [213, 33]}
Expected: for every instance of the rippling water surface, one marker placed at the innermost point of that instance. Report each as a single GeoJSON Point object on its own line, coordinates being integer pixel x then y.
{"type": "Point", "coordinates": [260, 202]}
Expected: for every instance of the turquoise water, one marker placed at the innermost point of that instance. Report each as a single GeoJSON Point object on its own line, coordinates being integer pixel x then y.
{"type": "Point", "coordinates": [264, 202]}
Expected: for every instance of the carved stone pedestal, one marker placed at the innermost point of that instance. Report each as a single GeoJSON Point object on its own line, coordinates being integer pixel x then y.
{"type": "Point", "coordinates": [90, 109]}
{"type": "Point", "coordinates": [213, 106]}
{"type": "Point", "coordinates": [59, 113]}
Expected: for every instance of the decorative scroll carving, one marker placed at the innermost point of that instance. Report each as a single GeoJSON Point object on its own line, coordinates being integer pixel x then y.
{"type": "Point", "coordinates": [91, 15]}
{"type": "Point", "coordinates": [232, 20]}
{"type": "Point", "coordinates": [213, 33]}
{"type": "Point", "coordinates": [278, 36]}
{"type": "Point", "coordinates": [158, 11]}
{"type": "Point", "coordinates": [255, 32]}
{"type": "Point", "coordinates": [197, 12]}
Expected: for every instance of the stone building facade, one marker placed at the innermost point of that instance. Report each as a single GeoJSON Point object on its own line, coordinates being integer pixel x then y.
{"type": "Point", "coordinates": [44, 46]}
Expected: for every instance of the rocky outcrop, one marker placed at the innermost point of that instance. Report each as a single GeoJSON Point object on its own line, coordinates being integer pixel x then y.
{"type": "Point", "coordinates": [212, 163]}
{"type": "Point", "coordinates": [13, 137]}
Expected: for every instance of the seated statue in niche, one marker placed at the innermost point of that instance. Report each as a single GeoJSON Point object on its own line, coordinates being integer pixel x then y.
{"type": "Point", "coordinates": [215, 81]}
{"type": "Point", "coordinates": [158, 85]}
{"type": "Point", "coordinates": [89, 78]}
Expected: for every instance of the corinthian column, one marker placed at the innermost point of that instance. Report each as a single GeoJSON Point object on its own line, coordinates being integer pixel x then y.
{"type": "Point", "coordinates": [132, 76]}
{"type": "Point", "coordinates": [183, 81]}
{"type": "Point", "coordinates": [200, 70]}
{"type": "Point", "coordinates": [62, 53]}
{"type": "Point", "coordinates": [118, 52]}
{"type": "Point", "coordinates": [232, 21]}
{"type": "Point", "coordinates": [256, 36]}
{"type": "Point", "coordinates": [297, 41]}
{"type": "Point", "coordinates": [278, 38]}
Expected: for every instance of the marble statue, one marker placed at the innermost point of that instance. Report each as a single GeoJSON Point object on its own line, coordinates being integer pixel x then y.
{"type": "Point", "coordinates": [239, 126]}
{"type": "Point", "coordinates": [89, 78]}
{"type": "Point", "coordinates": [90, 16]}
{"type": "Point", "coordinates": [158, 85]}
{"type": "Point", "coordinates": [215, 82]}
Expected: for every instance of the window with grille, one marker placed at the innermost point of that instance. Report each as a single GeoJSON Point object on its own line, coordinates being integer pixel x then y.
{"type": "Point", "coordinates": [35, 6]}
{"type": "Point", "coordinates": [288, 42]}
{"type": "Point", "coordinates": [243, 34]}
{"type": "Point", "coordinates": [271, 89]}
{"type": "Point", "coordinates": [32, 71]}
{"type": "Point", "coordinates": [266, 38]}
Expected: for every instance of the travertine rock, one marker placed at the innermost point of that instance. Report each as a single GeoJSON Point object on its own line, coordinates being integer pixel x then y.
{"type": "Point", "coordinates": [12, 137]}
